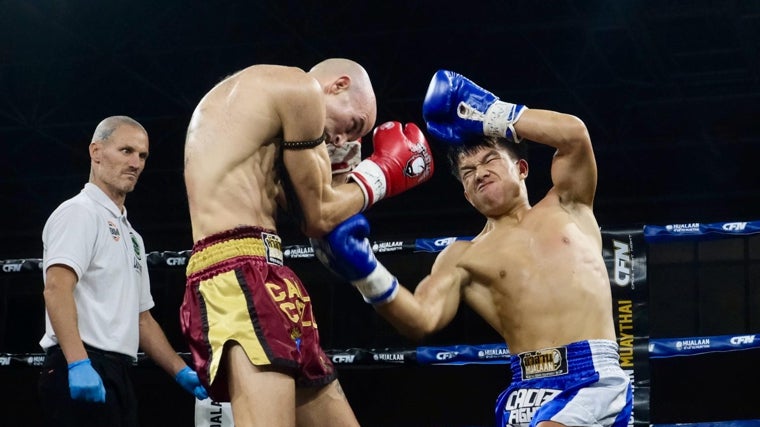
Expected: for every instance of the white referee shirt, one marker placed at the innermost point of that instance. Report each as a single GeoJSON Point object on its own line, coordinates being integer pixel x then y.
{"type": "Point", "coordinates": [90, 235]}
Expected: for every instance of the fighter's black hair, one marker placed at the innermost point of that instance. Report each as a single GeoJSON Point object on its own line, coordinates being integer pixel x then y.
{"type": "Point", "coordinates": [453, 152]}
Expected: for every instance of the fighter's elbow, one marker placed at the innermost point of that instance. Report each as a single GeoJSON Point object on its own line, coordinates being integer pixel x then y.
{"type": "Point", "coordinates": [316, 228]}
{"type": "Point", "coordinates": [414, 335]}
{"type": "Point", "coordinates": [576, 130]}
{"type": "Point", "coordinates": [315, 224]}
{"type": "Point", "coordinates": [417, 332]}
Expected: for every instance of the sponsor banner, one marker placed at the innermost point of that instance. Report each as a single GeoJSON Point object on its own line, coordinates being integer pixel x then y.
{"type": "Point", "coordinates": [21, 359]}
{"type": "Point", "coordinates": [388, 356]}
{"type": "Point", "coordinates": [20, 265]}
{"type": "Point", "coordinates": [179, 259]}
{"type": "Point", "coordinates": [495, 353]}
{"type": "Point", "coordinates": [669, 347]}
{"type": "Point", "coordinates": [352, 356]}
{"type": "Point", "coordinates": [209, 413]}
{"type": "Point", "coordinates": [436, 244]}
{"type": "Point", "coordinates": [463, 354]}
{"type": "Point", "coordinates": [380, 247]}
{"type": "Point", "coordinates": [360, 356]}
{"type": "Point", "coordinates": [168, 259]}
{"type": "Point", "coordinates": [298, 252]}
{"type": "Point", "coordinates": [624, 256]}
{"type": "Point", "coordinates": [699, 231]}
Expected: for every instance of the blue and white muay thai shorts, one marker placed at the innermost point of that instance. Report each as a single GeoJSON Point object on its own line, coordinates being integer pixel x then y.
{"type": "Point", "coordinates": [580, 384]}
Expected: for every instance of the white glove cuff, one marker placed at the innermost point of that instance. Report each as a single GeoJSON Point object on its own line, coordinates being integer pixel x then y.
{"type": "Point", "coordinates": [500, 119]}
{"type": "Point", "coordinates": [380, 287]}
{"type": "Point", "coordinates": [371, 180]}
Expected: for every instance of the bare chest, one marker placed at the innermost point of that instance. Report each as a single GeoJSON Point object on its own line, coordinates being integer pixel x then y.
{"type": "Point", "coordinates": [528, 256]}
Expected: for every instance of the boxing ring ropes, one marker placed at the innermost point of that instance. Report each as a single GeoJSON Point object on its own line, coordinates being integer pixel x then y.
{"type": "Point", "coordinates": [625, 256]}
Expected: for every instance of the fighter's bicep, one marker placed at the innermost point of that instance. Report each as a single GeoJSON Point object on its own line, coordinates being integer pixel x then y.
{"type": "Point", "coordinates": [574, 175]}
{"type": "Point", "coordinates": [440, 292]}
{"type": "Point", "coordinates": [301, 109]}
{"type": "Point", "coordinates": [309, 171]}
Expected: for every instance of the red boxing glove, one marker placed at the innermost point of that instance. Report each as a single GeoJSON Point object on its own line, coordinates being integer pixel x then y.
{"type": "Point", "coordinates": [402, 160]}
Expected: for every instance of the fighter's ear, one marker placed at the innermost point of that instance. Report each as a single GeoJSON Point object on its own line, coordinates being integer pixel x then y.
{"type": "Point", "coordinates": [340, 84]}
{"type": "Point", "coordinates": [95, 151]}
{"type": "Point", "coordinates": [522, 166]}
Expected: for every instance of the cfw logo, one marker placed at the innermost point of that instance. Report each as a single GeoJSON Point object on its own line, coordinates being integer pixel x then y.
{"type": "Point", "coordinates": [343, 358]}
{"type": "Point", "coordinates": [12, 268]}
{"type": "Point", "coordinates": [446, 355]}
{"type": "Point", "coordinates": [622, 271]}
{"type": "Point", "coordinates": [742, 339]}
{"type": "Point", "coordinates": [443, 242]}
{"type": "Point", "coordinates": [175, 261]}
{"type": "Point", "coordinates": [734, 226]}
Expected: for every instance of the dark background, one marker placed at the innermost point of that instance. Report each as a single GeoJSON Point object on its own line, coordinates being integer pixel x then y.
{"type": "Point", "coordinates": [668, 89]}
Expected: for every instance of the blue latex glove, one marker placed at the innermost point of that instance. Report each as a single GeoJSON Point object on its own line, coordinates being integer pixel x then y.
{"type": "Point", "coordinates": [189, 380]}
{"type": "Point", "coordinates": [85, 383]}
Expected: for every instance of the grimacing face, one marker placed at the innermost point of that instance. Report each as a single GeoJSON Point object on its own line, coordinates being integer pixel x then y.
{"type": "Point", "coordinates": [486, 160]}
{"type": "Point", "coordinates": [491, 178]}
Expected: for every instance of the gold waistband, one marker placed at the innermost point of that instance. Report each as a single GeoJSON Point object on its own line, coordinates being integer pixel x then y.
{"type": "Point", "coordinates": [223, 251]}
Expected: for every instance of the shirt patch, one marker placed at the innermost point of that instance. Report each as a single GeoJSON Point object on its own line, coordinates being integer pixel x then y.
{"type": "Point", "coordinates": [273, 246]}
{"type": "Point", "coordinates": [138, 254]}
{"type": "Point", "coordinates": [548, 362]}
{"type": "Point", "coordinates": [114, 231]}
{"type": "Point", "coordinates": [135, 245]}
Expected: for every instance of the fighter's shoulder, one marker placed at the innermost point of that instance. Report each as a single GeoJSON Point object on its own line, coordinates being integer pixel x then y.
{"type": "Point", "coordinates": [452, 253]}
{"type": "Point", "coordinates": [278, 78]}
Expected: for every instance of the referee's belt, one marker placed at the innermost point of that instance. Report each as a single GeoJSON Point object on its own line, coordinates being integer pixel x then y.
{"type": "Point", "coordinates": [111, 355]}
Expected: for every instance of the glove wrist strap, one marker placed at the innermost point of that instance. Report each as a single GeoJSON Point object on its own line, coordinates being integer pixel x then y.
{"type": "Point", "coordinates": [380, 287]}
{"type": "Point", "coordinates": [500, 119]}
{"type": "Point", "coordinates": [371, 180]}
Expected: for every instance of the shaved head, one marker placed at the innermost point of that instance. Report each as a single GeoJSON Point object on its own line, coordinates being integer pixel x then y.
{"type": "Point", "coordinates": [350, 98]}
{"type": "Point", "coordinates": [334, 67]}
{"type": "Point", "coordinates": [107, 126]}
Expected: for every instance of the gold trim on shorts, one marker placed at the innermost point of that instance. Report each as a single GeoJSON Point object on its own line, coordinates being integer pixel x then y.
{"type": "Point", "coordinates": [223, 251]}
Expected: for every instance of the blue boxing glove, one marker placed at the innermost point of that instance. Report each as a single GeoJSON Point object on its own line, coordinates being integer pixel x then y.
{"type": "Point", "coordinates": [456, 109]}
{"type": "Point", "coordinates": [85, 383]}
{"type": "Point", "coordinates": [189, 380]}
{"type": "Point", "coordinates": [346, 251]}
